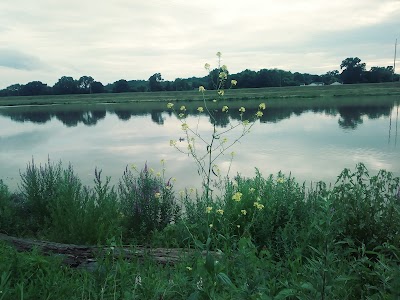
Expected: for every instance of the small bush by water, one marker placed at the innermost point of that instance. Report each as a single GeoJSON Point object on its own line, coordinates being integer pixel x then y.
{"type": "Point", "coordinates": [276, 238]}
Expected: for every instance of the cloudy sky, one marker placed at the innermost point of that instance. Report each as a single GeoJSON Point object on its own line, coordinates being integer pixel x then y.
{"type": "Point", "coordinates": [131, 39]}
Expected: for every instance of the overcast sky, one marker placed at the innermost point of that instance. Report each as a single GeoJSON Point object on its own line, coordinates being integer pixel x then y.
{"type": "Point", "coordinates": [131, 39]}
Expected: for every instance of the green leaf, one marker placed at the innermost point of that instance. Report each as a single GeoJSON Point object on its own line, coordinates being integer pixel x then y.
{"type": "Point", "coordinates": [210, 264]}
{"type": "Point", "coordinates": [199, 244]}
{"type": "Point", "coordinates": [308, 286]}
{"type": "Point", "coordinates": [285, 293]}
{"type": "Point", "coordinates": [194, 296]}
{"type": "Point", "coordinates": [225, 280]}
{"type": "Point", "coordinates": [208, 243]}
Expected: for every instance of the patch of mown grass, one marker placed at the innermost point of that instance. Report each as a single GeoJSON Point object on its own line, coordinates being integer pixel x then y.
{"type": "Point", "coordinates": [272, 237]}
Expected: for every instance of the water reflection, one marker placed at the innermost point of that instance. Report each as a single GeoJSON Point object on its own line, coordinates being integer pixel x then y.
{"type": "Point", "coordinates": [313, 140]}
{"type": "Point", "coordinates": [350, 114]}
{"type": "Point", "coordinates": [396, 126]}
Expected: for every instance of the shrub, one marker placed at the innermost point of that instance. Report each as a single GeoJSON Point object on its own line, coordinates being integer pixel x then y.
{"type": "Point", "coordinates": [147, 203]}
{"type": "Point", "coordinates": [60, 208]}
{"type": "Point", "coordinates": [6, 212]}
{"type": "Point", "coordinates": [367, 208]}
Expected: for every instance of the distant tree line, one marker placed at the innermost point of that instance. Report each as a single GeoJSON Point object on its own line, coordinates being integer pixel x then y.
{"type": "Point", "coordinates": [352, 70]}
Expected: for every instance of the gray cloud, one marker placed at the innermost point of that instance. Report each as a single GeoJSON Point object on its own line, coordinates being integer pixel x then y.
{"type": "Point", "coordinates": [15, 59]}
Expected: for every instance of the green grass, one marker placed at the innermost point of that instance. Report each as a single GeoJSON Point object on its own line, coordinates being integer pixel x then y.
{"type": "Point", "coordinates": [381, 89]}
{"type": "Point", "coordinates": [341, 242]}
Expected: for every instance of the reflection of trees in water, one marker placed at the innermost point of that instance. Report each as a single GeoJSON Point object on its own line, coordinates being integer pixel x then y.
{"type": "Point", "coordinates": [34, 117]}
{"type": "Point", "coordinates": [69, 119]}
{"type": "Point", "coordinates": [350, 116]}
{"type": "Point", "coordinates": [156, 117]}
{"type": "Point", "coordinates": [92, 117]}
{"type": "Point", "coordinates": [73, 118]}
{"type": "Point", "coordinates": [220, 118]}
{"type": "Point", "coordinates": [276, 114]}
{"type": "Point", "coordinates": [123, 115]}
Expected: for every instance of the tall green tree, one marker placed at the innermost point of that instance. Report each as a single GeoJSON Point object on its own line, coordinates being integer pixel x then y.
{"type": "Point", "coordinates": [14, 90]}
{"type": "Point", "coordinates": [353, 70]}
{"type": "Point", "coordinates": [331, 77]}
{"type": "Point", "coordinates": [97, 87]}
{"type": "Point", "coordinates": [66, 85]}
{"type": "Point", "coordinates": [34, 88]}
{"type": "Point", "coordinates": [155, 82]}
{"type": "Point", "coordinates": [121, 86]}
{"type": "Point", "coordinates": [380, 74]}
{"type": "Point", "coordinates": [84, 84]}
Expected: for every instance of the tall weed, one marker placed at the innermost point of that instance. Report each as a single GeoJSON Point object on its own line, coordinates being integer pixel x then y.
{"type": "Point", "coordinates": [147, 203]}
{"type": "Point", "coordinates": [367, 208]}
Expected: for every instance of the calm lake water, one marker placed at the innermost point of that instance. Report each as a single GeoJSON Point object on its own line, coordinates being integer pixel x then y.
{"type": "Point", "coordinates": [314, 140]}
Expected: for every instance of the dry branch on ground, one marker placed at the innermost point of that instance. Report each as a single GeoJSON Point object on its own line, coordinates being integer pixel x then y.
{"type": "Point", "coordinates": [86, 257]}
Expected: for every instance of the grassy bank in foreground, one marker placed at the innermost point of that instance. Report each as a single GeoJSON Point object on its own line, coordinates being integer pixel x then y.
{"type": "Point", "coordinates": [381, 89]}
{"type": "Point", "coordinates": [275, 238]}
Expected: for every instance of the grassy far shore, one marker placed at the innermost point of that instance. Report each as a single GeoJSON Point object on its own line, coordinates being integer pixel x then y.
{"type": "Point", "coordinates": [275, 238]}
{"type": "Point", "coordinates": [306, 92]}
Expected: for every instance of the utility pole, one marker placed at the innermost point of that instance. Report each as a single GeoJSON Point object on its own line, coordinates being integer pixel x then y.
{"type": "Point", "coordinates": [394, 60]}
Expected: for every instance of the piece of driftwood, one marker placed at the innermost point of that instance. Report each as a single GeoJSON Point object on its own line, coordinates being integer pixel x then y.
{"type": "Point", "coordinates": [85, 257]}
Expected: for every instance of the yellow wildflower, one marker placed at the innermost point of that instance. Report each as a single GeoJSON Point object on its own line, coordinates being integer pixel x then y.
{"type": "Point", "coordinates": [221, 92]}
{"type": "Point", "coordinates": [242, 109]}
{"type": "Point", "coordinates": [183, 108]}
{"type": "Point", "coordinates": [233, 82]}
{"type": "Point", "coordinates": [262, 106]}
{"type": "Point", "coordinates": [208, 209]}
{"type": "Point", "coordinates": [170, 105]}
{"type": "Point", "coordinates": [244, 212]}
{"type": "Point", "coordinates": [211, 225]}
{"type": "Point", "coordinates": [223, 75]}
{"type": "Point", "coordinates": [158, 174]}
{"type": "Point", "coordinates": [237, 196]}
{"type": "Point", "coordinates": [172, 142]}
{"type": "Point", "coordinates": [201, 88]}
{"type": "Point", "coordinates": [259, 114]}
{"type": "Point", "coordinates": [225, 108]}
{"type": "Point", "coordinates": [181, 115]}
{"type": "Point", "coordinates": [219, 54]}
{"type": "Point", "coordinates": [258, 205]}
{"type": "Point", "coordinates": [157, 195]}
{"type": "Point", "coordinates": [280, 180]}
{"type": "Point", "coordinates": [215, 100]}
{"type": "Point", "coordinates": [185, 126]}
{"type": "Point", "coordinates": [246, 122]}
{"type": "Point", "coordinates": [189, 268]}
{"type": "Point", "coordinates": [220, 211]}
{"type": "Point", "coordinates": [207, 66]}
{"type": "Point", "coordinates": [200, 109]}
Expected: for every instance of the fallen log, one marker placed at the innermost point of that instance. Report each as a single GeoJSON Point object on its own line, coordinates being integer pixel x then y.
{"type": "Point", "coordinates": [77, 256]}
